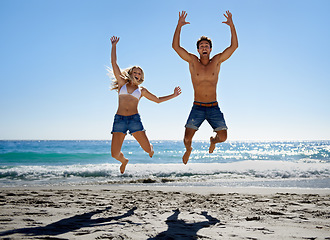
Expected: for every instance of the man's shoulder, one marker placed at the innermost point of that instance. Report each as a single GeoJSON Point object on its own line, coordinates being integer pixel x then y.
{"type": "Point", "coordinates": [193, 58]}
{"type": "Point", "coordinates": [216, 57]}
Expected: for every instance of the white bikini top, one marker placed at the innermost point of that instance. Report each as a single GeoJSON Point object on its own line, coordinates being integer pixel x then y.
{"type": "Point", "coordinates": [136, 93]}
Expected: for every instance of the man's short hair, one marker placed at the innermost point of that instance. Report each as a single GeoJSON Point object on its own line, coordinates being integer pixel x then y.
{"type": "Point", "coordinates": [203, 38]}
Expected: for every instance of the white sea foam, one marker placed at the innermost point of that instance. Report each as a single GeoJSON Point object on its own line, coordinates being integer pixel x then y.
{"type": "Point", "coordinates": [192, 172]}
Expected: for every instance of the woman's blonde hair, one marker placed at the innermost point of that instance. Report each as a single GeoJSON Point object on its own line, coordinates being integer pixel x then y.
{"type": "Point", "coordinates": [126, 74]}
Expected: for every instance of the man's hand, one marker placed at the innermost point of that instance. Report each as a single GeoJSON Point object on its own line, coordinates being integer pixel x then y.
{"type": "Point", "coordinates": [182, 18]}
{"type": "Point", "coordinates": [176, 38]}
{"type": "Point", "coordinates": [229, 21]}
{"type": "Point", "coordinates": [114, 40]}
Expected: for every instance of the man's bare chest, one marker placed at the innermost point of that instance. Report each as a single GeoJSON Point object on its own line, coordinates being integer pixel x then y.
{"type": "Point", "coordinates": [205, 71]}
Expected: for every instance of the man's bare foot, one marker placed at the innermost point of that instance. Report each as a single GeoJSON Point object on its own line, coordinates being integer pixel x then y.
{"type": "Point", "coordinates": [123, 165]}
{"type": "Point", "coordinates": [213, 141]}
{"type": "Point", "coordinates": [152, 151]}
{"type": "Point", "coordinates": [186, 156]}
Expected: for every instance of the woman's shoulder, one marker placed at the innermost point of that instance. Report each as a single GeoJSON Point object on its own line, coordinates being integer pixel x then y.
{"type": "Point", "coordinates": [120, 85]}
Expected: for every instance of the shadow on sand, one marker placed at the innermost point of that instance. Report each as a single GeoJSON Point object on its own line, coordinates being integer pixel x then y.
{"type": "Point", "coordinates": [73, 223]}
{"type": "Point", "coordinates": [179, 229]}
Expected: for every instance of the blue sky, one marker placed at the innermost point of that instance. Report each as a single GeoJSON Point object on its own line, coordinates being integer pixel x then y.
{"type": "Point", "coordinates": [53, 54]}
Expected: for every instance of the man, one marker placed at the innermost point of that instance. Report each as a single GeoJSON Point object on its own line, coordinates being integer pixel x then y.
{"type": "Point", "coordinates": [204, 76]}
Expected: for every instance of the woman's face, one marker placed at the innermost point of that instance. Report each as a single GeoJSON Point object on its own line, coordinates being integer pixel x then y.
{"type": "Point", "coordinates": [137, 74]}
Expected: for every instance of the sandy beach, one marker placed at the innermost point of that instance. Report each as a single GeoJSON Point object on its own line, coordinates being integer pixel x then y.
{"type": "Point", "coordinates": [151, 212]}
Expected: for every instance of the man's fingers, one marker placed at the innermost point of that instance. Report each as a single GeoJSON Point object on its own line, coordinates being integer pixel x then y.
{"type": "Point", "coordinates": [182, 14]}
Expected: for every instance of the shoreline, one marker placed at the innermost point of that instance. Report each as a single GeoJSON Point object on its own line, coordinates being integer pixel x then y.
{"type": "Point", "coordinates": [186, 189]}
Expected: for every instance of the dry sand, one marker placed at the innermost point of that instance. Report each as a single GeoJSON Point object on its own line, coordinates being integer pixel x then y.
{"type": "Point", "coordinates": [145, 212]}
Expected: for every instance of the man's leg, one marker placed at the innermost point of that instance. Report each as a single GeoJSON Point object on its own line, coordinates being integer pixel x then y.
{"type": "Point", "coordinates": [188, 135]}
{"type": "Point", "coordinates": [220, 137]}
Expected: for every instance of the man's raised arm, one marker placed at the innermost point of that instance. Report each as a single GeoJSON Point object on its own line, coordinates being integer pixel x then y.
{"type": "Point", "coordinates": [234, 41]}
{"type": "Point", "coordinates": [176, 38]}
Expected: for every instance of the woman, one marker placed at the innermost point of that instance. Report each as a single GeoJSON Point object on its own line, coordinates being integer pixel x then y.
{"type": "Point", "coordinates": [127, 117]}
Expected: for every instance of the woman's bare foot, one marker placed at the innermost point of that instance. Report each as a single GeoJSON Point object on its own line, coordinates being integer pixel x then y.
{"type": "Point", "coordinates": [152, 151]}
{"type": "Point", "coordinates": [123, 165]}
{"type": "Point", "coordinates": [186, 156]}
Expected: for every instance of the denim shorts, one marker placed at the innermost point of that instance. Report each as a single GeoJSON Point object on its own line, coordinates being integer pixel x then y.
{"type": "Point", "coordinates": [127, 123]}
{"type": "Point", "coordinates": [212, 114]}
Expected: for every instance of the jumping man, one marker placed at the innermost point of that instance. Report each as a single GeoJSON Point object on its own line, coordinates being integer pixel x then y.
{"type": "Point", "coordinates": [204, 76]}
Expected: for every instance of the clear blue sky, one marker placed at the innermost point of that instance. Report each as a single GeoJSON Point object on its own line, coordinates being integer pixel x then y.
{"type": "Point", "coordinates": [53, 54]}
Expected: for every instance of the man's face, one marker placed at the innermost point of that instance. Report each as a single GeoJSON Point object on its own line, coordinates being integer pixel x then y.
{"type": "Point", "coordinates": [204, 48]}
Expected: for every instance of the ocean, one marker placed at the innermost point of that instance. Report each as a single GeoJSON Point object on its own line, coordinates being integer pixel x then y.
{"type": "Point", "coordinates": [284, 164]}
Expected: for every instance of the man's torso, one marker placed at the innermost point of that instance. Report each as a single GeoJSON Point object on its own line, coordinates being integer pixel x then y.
{"type": "Point", "coordinates": [204, 79]}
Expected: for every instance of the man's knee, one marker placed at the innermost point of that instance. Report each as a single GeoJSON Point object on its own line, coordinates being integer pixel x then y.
{"type": "Point", "coordinates": [189, 134]}
{"type": "Point", "coordinates": [222, 135]}
{"type": "Point", "coordinates": [187, 140]}
{"type": "Point", "coordinates": [223, 139]}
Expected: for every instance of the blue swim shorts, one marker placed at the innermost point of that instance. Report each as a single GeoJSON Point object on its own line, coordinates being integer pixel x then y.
{"type": "Point", "coordinates": [212, 114]}
{"type": "Point", "coordinates": [127, 123]}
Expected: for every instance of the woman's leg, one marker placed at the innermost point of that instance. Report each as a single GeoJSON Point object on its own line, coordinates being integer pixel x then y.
{"type": "Point", "coordinates": [142, 139]}
{"type": "Point", "coordinates": [116, 144]}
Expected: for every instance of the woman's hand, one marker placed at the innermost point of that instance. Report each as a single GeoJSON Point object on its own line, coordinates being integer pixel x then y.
{"type": "Point", "coordinates": [177, 91]}
{"type": "Point", "coordinates": [114, 40]}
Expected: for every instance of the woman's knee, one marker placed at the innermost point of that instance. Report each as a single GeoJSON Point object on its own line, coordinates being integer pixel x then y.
{"type": "Point", "coordinates": [115, 154]}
